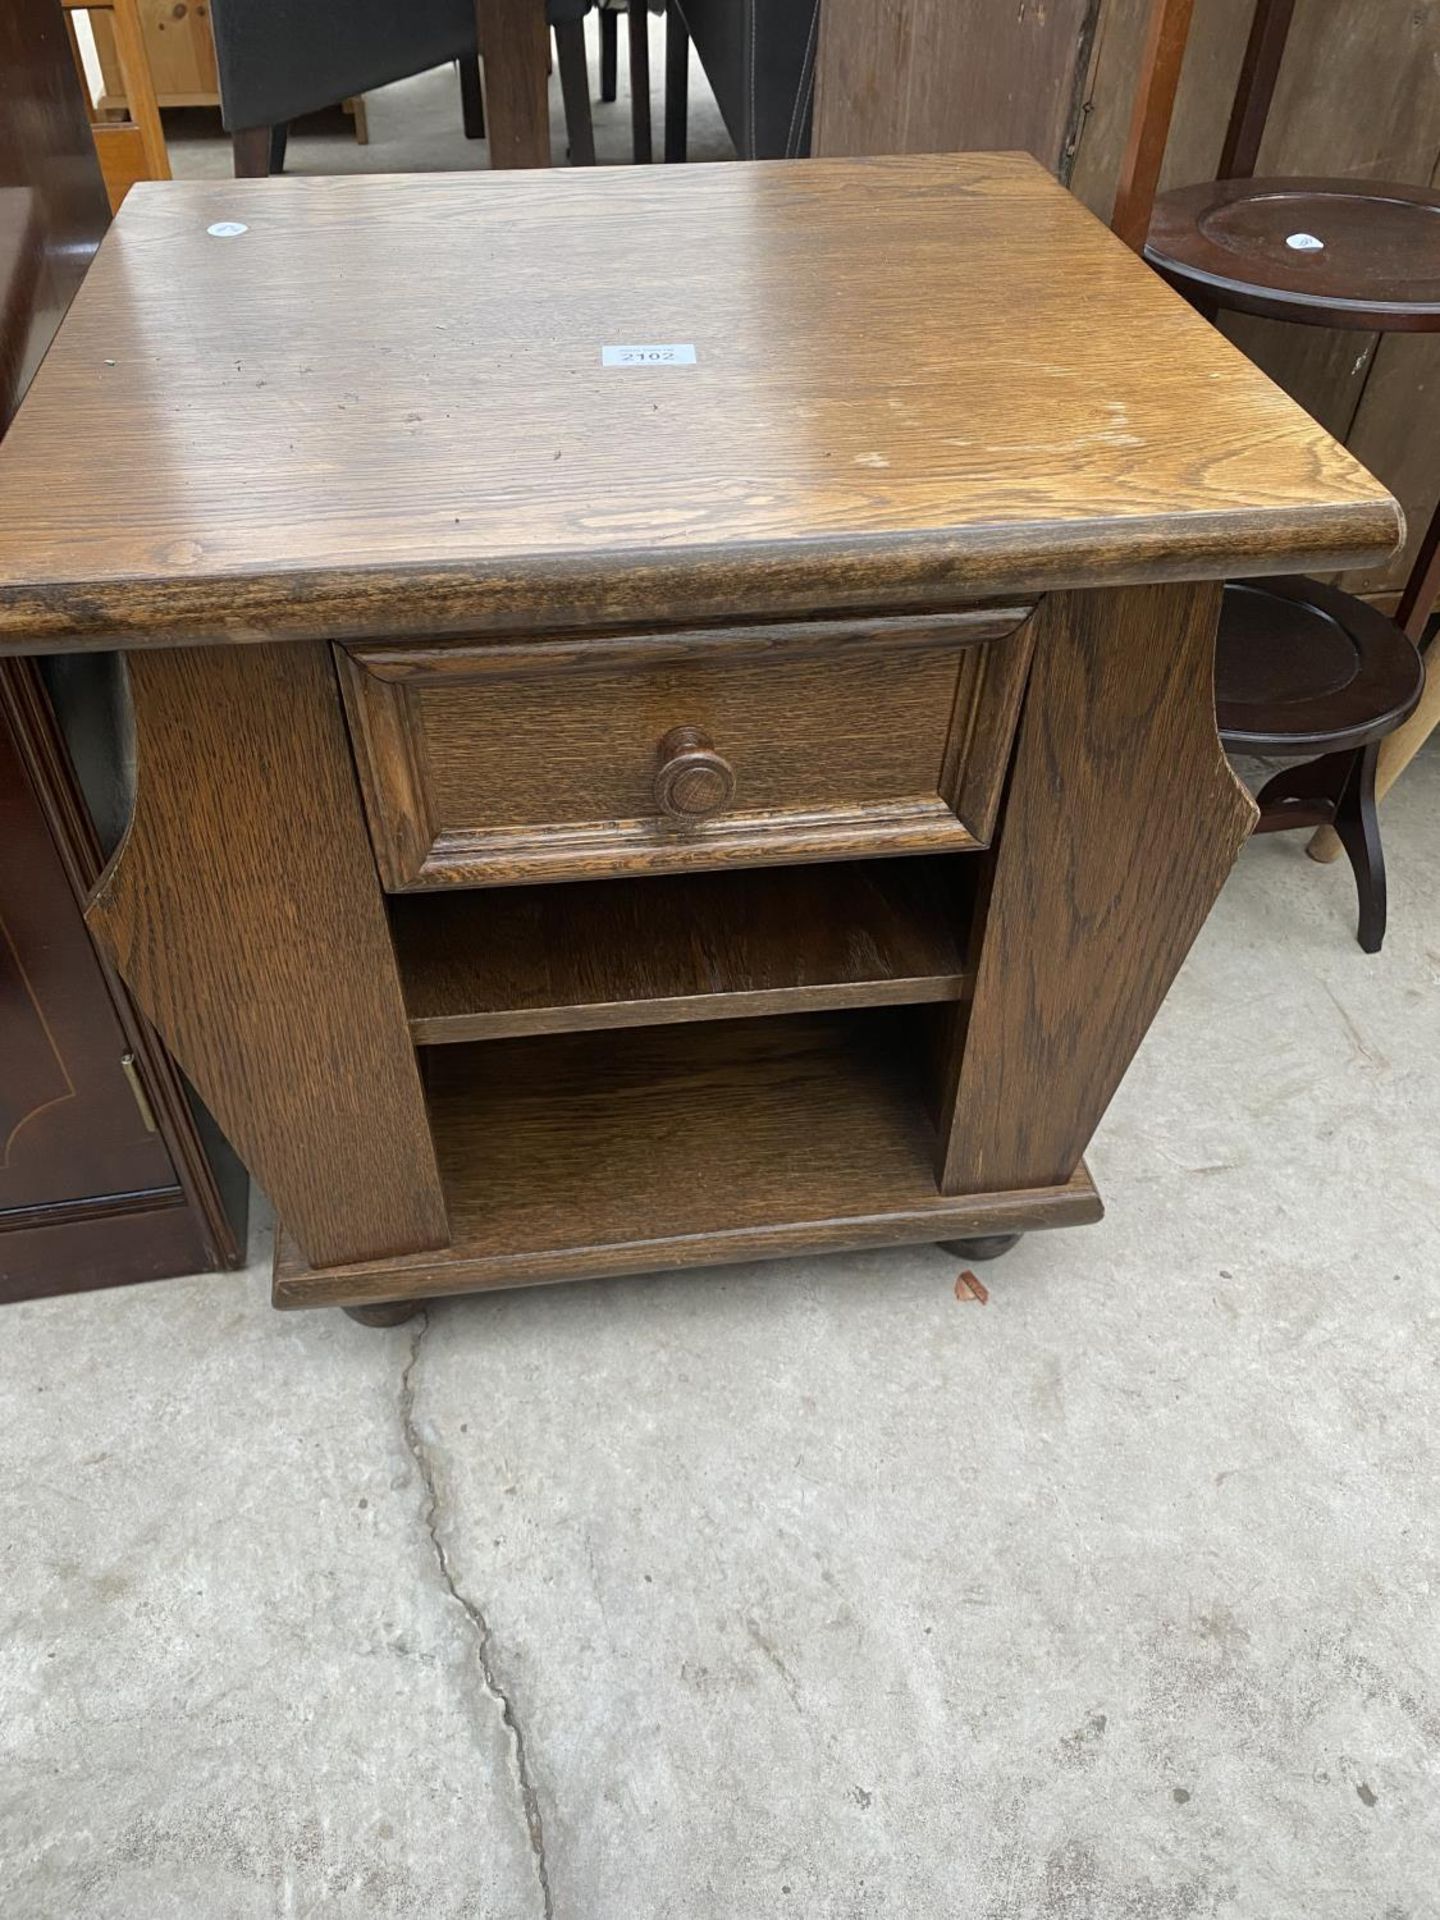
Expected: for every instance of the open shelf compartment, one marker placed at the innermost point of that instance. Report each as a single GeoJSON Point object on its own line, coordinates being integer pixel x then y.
{"type": "Point", "coordinates": [571, 1156]}
{"type": "Point", "coordinates": [704, 946]}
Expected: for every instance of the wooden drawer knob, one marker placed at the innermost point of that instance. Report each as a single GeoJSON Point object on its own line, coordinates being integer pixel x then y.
{"type": "Point", "coordinates": [693, 781]}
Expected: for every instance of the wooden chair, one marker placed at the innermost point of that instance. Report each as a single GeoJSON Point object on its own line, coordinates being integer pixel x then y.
{"type": "Point", "coordinates": [1302, 668]}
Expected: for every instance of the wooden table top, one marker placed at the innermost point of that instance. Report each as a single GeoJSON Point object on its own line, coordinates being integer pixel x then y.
{"type": "Point", "coordinates": [383, 408]}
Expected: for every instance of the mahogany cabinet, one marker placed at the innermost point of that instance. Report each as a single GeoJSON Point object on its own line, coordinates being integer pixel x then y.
{"type": "Point", "coordinates": [103, 1176]}
{"type": "Point", "coordinates": [673, 709]}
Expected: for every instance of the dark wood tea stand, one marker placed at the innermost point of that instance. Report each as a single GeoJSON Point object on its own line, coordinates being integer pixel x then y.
{"type": "Point", "coordinates": [608, 811]}
{"type": "Point", "coordinates": [1303, 667]}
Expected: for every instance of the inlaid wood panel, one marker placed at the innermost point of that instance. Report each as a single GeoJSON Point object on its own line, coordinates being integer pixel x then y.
{"type": "Point", "coordinates": [487, 765]}
{"type": "Point", "coordinates": [70, 1128]}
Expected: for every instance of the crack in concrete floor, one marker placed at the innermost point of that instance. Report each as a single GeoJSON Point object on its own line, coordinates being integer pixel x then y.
{"type": "Point", "coordinates": [495, 1689]}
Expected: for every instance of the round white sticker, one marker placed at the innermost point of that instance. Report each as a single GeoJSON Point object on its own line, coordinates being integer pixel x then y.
{"type": "Point", "coordinates": [227, 229]}
{"type": "Point", "coordinates": [1301, 242]}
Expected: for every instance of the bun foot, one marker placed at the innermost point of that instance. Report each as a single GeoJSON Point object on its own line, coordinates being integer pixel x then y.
{"type": "Point", "coordinates": [985, 1246]}
{"type": "Point", "coordinates": [385, 1313]}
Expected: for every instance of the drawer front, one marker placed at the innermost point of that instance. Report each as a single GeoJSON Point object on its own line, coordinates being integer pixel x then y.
{"type": "Point", "coordinates": [485, 765]}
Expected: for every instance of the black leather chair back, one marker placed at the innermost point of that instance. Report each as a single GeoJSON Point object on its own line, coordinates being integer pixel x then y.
{"type": "Point", "coordinates": [759, 57]}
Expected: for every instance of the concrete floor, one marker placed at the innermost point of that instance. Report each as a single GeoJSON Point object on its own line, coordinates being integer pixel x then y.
{"type": "Point", "coordinates": [800, 1589]}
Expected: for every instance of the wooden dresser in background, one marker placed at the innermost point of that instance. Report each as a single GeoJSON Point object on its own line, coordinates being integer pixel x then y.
{"type": "Point", "coordinates": [103, 1177]}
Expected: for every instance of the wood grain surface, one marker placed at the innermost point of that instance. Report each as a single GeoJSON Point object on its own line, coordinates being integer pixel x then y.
{"type": "Point", "coordinates": [1151, 114]}
{"type": "Point", "coordinates": [487, 765]}
{"type": "Point", "coordinates": [382, 409]}
{"type": "Point", "coordinates": [1359, 95]}
{"type": "Point", "coordinates": [243, 911]}
{"type": "Point", "coordinates": [571, 1157]}
{"type": "Point", "coordinates": [1122, 820]}
{"type": "Point", "coordinates": [621, 953]}
{"type": "Point", "coordinates": [928, 76]}
{"type": "Point", "coordinates": [515, 74]}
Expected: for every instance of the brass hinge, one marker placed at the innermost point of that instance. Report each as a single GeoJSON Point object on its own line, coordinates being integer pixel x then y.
{"type": "Point", "coordinates": [131, 1072]}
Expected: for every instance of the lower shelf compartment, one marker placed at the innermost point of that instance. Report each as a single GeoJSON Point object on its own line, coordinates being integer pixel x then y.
{"type": "Point", "coordinates": [574, 1156]}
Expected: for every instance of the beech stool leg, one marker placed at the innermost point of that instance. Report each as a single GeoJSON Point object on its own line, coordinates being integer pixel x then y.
{"type": "Point", "coordinates": [386, 1313]}
{"type": "Point", "coordinates": [984, 1246]}
{"type": "Point", "coordinates": [1358, 826]}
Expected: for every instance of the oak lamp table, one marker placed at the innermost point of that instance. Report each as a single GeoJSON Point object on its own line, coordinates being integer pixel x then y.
{"type": "Point", "coordinates": [673, 712]}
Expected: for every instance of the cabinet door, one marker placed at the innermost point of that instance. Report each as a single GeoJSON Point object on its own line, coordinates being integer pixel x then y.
{"type": "Point", "coordinates": [71, 1127]}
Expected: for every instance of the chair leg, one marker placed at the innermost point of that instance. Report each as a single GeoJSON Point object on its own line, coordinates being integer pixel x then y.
{"type": "Point", "coordinates": [638, 23]}
{"type": "Point", "coordinates": [609, 53]}
{"type": "Point", "coordinates": [575, 91]}
{"type": "Point", "coordinates": [677, 81]}
{"type": "Point", "coordinates": [1358, 826]}
{"type": "Point", "coordinates": [251, 149]}
{"type": "Point", "coordinates": [279, 141]}
{"type": "Point", "coordinates": [472, 98]}
{"type": "Point", "coordinates": [359, 115]}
